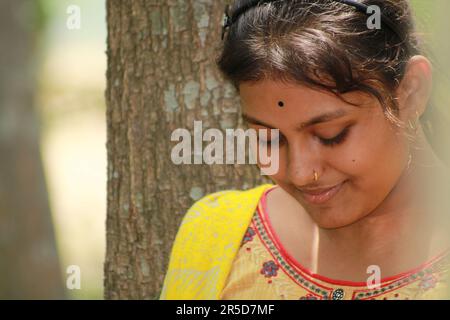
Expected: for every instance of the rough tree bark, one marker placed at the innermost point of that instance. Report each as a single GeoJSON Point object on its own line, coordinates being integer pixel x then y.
{"type": "Point", "coordinates": [29, 265]}
{"type": "Point", "coordinates": [161, 76]}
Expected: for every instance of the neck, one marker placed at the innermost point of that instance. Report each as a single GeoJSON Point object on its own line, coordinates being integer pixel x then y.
{"type": "Point", "coordinates": [404, 231]}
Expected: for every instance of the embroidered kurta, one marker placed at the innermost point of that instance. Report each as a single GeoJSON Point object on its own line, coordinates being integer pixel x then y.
{"type": "Point", "coordinates": [225, 249]}
{"type": "Point", "coordinates": [263, 269]}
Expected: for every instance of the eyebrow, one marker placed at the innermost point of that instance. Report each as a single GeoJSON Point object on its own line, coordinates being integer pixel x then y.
{"type": "Point", "coordinates": [318, 119]}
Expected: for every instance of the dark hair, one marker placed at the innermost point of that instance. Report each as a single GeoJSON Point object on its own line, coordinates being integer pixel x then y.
{"type": "Point", "coordinates": [323, 44]}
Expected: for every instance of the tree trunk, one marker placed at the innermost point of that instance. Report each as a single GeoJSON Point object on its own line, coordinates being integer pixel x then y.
{"type": "Point", "coordinates": [29, 265]}
{"type": "Point", "coordinates": [161, 76]}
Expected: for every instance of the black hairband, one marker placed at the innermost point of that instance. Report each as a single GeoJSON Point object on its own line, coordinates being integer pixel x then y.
{"type": "Point", "coordinates": [229, 20]}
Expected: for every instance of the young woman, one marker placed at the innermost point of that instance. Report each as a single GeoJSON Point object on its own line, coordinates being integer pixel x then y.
{"type": "Point", "coordinates": [359, 209]}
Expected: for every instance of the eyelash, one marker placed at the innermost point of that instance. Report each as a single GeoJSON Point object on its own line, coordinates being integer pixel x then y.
{"type": "Point", "coordinates": [326, 142]}
{"type": "Point", "coordinates": [336, 140]}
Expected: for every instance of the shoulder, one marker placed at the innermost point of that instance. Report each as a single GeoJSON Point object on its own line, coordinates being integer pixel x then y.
{"type": "Point", "coordinates": [207, 241]}
{"type": "Point", "coordinates": [220, 207]}
{"type": "Point", "coordinates": [215, 219]}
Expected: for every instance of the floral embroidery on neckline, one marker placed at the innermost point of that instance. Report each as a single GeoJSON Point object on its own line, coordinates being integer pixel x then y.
{"type": "Point", "coordinates": [319, 288]}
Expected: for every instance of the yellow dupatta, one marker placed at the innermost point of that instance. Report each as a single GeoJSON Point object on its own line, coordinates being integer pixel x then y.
{"type": "Point", "coordinates": [207, 242]}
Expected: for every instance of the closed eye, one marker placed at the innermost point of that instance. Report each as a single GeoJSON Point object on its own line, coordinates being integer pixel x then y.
{"type": "Point", "coordinates": [336, 140]}
{"type": "Point", "coordinates": [326, 142]}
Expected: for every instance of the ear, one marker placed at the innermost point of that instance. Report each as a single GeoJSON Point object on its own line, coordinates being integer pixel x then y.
{"type": "Point", "coordinates": [414, 90]}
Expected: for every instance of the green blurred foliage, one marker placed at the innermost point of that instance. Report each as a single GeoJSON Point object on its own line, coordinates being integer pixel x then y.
{"type": "Point", "coordinates": [42, 15]}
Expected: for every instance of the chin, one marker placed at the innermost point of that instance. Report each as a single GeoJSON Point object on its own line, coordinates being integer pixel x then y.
{"type": "Point", "coordinates": [324, 222]}
{"type": "Point", "coordinates": [333, 216]}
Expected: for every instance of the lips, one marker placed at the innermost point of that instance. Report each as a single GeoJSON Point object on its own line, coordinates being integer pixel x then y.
{"type": "Point", "coordinates": [321, 195]}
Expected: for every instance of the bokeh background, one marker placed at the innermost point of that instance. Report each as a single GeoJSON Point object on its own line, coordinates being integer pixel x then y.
{"type": "Point", "coordinates": [70, 99]}
{"type": "Point", "coordinates": [66, 74]}
{"type": "Point", "coordinates": [67, 71]}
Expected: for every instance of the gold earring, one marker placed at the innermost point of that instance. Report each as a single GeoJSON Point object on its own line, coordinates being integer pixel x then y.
{"type": "Point", "coordinates": [414, 126]}
{"type": "Point", "coordinates": [316, 177]}
{"type": "Point", "coordinates": [408, 166]}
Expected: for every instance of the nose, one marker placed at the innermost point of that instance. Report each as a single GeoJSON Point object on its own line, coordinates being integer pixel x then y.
{"type": "Point", "coordinates": [302, 162]}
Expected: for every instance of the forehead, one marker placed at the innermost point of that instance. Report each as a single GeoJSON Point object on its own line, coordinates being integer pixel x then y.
{"type": "Point", "coordinates": [264, 97]}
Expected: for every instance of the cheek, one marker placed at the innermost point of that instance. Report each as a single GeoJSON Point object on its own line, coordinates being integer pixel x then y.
{"type": "Point", "coordinates": [376, 161]}
{"type": "Point", "coordinates": [370, 159]}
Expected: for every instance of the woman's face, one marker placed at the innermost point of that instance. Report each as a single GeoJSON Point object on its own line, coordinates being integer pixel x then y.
{"type": "Point", "coordinates": [355, 146]}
